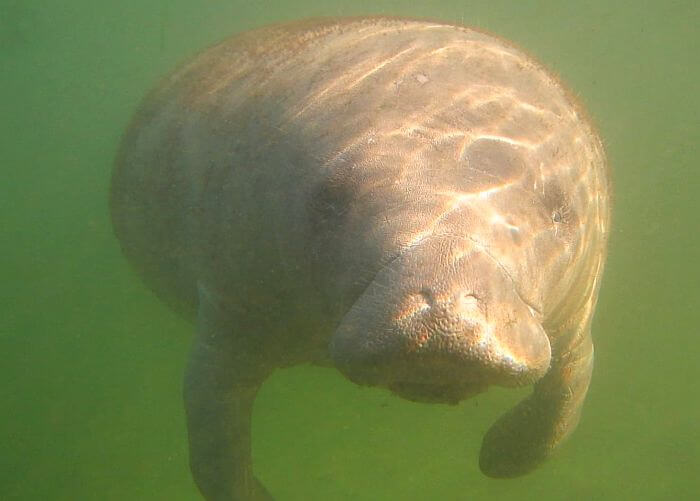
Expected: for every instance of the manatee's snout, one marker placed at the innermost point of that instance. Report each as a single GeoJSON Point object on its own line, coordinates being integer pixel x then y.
{"type": "Point", "coordinates": [443, 342]}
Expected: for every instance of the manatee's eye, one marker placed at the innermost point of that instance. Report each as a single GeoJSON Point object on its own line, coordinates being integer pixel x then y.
{"type": "Point", "coordinates": [561, 214]}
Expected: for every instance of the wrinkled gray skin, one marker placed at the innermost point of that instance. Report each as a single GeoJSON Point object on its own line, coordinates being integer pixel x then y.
{"type": "Point", "coordinates": [420, 205]}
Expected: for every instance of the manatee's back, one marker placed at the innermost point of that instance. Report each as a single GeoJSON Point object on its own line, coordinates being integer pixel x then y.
{"type": "Point", "coordinates": [401, 100]}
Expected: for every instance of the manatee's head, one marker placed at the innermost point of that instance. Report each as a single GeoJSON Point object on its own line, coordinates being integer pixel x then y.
{"type": "Point", "coordinates": [440, 323]}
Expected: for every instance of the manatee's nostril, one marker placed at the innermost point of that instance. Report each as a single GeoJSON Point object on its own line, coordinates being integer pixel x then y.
{"type": "Point", "coordinates": [427, 296]}
{"type": "Point", "coordinates": [467, 301]}
{"type": "Point", "coordinates": [415, 304]}
{"type": "Point", "coordinates": [467, 307]}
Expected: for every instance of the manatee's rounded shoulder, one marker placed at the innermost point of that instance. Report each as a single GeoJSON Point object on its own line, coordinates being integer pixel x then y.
{"type": "Point", "coordinates": [256, 57]}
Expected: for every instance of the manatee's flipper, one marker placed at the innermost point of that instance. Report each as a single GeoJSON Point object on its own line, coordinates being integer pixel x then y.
{"type": "Point", "coordinates": [221, 382]}
{"type": "Point", "coordinates": [526, 435]}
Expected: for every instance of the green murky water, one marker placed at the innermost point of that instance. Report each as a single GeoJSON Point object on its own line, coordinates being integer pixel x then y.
{"type": "Point", "coordinates": [92, 363]}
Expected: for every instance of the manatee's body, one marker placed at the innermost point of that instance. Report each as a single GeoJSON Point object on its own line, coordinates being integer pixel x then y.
{"type": "Point", "coordinates": [420, 205]}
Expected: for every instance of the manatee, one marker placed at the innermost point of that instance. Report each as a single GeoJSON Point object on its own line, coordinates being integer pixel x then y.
{"type": "Point", "coordinates": [417, 204]}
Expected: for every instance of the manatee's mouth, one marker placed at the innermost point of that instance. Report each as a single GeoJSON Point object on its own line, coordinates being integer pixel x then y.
{"type": "Point", "coordinates": [448, 393]}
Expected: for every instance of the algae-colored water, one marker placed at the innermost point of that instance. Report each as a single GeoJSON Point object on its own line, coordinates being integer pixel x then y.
{"type": "Point", "coordinates": [91, 363]}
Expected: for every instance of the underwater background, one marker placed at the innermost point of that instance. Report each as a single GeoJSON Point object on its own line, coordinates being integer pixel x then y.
{"type": "Point", "coordinates": [91, 363]}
